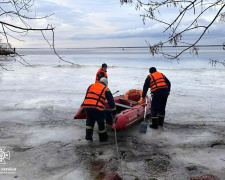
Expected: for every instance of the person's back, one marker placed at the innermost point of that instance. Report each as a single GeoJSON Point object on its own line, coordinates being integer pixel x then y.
{"type": "Point", "coordinates": [95, 97]}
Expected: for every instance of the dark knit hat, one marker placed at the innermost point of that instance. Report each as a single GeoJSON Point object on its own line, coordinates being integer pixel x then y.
{"type": "Point", "coordinates": [152, 70]}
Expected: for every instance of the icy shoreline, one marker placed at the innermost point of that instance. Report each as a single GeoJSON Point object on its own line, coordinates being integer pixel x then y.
{"type": "Point", "coordinates": [173, 152]}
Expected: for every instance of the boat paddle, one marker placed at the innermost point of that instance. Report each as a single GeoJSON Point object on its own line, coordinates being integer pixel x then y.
{"type": "Point", "coordinates": [143, 126]}
{"type": "Point", "coordinates": [115, 92]}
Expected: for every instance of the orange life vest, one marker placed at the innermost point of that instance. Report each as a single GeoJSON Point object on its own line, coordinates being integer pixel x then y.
{"type": "Point", "coordinates": [157, 81]}
{"type": "Point", "coordinates": [100, 70]}
{"type": "Point", "coordinates": [95, 97]}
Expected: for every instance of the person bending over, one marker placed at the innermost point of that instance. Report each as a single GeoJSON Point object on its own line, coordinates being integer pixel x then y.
{"type": "Point", "coordinates": [94, 105]}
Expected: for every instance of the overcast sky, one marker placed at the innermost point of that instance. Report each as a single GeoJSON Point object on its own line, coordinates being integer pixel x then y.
{"type": "Point", "coordinates": [100, 23]}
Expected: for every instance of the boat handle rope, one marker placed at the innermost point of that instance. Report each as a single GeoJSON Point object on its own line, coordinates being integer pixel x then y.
{"type": "Point", "coordinates": [117, 149]}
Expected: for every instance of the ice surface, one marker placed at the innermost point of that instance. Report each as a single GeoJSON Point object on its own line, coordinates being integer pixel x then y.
{"type": "Point", "coordinates": [38, 103]}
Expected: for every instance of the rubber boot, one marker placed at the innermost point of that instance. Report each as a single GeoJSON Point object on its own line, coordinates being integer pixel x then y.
{"type": "Point", "coordinates": [89, 134]}
{"type": "Point", "coordinates": [154, 124]}
{"type": "Point", "coordinates": [160, 121]}
{"type": "Point", "coordinates": [103, 137]}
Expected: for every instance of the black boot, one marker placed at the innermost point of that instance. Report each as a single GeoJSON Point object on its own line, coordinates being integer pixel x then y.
{"type": "Point", "coordinates": [89, 134]}
{"type": "Point", "coordinates": [103, 137]}
{"type": "Point", "coordinates": [154, 124]}
{"type": "Point", "coordinates": [160, 121]}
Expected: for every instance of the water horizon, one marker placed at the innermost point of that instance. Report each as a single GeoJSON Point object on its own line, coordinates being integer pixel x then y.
{"type": "Point", "coordinates": [99, 47]}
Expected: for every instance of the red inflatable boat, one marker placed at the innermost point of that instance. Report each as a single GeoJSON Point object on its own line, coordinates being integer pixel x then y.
{"type": "Point", "coordinates": [129, 110]}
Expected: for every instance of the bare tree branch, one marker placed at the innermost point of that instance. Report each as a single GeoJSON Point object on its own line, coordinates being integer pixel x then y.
{"type": "Point", "coordinates": [215, 62]}
{"type": "Point", "coordinates": [18, 12]}
{"type": "Point", "coordinates": [27, 29]}
{"type": "Point", "coordinates": [178, 28]}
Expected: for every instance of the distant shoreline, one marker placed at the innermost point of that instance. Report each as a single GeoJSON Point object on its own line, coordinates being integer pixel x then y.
{"type": "Point", "coordinates": [123, 47]}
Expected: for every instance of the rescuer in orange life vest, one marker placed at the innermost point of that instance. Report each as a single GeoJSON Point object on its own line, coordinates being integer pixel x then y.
{"type": "Point", "coordinates": [160, 89]}
{"type": "Point", "coordinates": [102, 72]}
{"type": "Point", "coordinates": [94, 105]}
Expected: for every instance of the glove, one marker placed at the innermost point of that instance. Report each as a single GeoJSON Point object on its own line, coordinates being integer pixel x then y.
{"type": "Point", "coordinates": [114, 115]}
{"type": "Point", "coordinates": [142, 100]}
{"type": "Point", "coordinates": [113, 112]}
{"type": "Point", "coordinates": [114, 118]}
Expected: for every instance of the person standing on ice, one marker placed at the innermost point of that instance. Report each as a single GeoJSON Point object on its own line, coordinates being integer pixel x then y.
{"type": "Point", "coordinates": [94, 105]}
{"type": "Point", "coordinates": [160, 89]}
{"type": "Point", "coordinates": [102, 72]}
